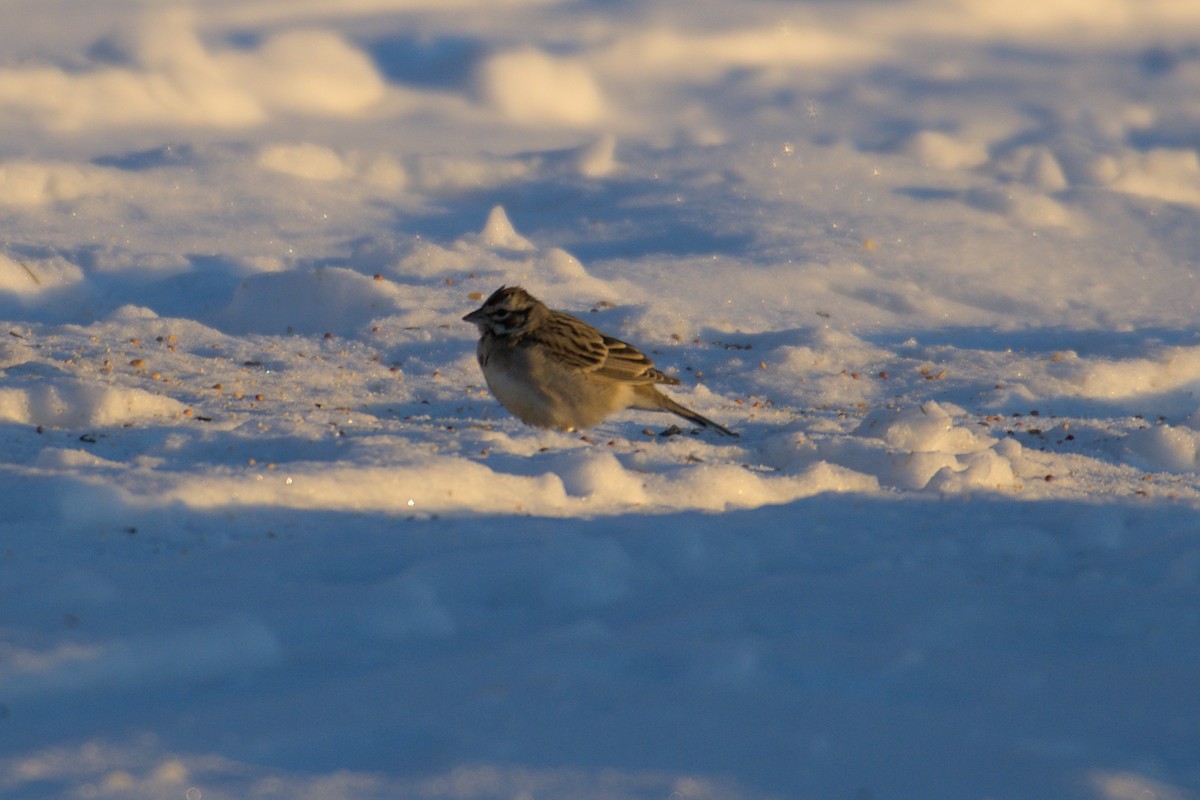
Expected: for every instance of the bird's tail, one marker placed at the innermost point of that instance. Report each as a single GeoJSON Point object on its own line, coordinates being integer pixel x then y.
{"type": "Point", "coordinates": [667, 404]}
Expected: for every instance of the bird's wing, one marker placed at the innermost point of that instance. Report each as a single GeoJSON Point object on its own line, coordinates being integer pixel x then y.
{"type": "Point", "coordinates": [575, 343]}
{"type": "Point", "coordinates": [572, 342]}
{"type": "Point", "coordinates": [626, 363]}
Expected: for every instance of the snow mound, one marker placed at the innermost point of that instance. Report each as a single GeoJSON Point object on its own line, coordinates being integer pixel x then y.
{"type": "Point", "coordinates": [945, 152]}
{"type": "Point", "coordinates": [597, 159]}
{"type": "Point", "coordinates": [171, 78]}
{"type": "Point", "coordinates": [1169, 369]}
{"type": "Point", "coordinates": [311, 72]}
{"type": "Point", "coordinates": [578, 484]}
{"type": "Point", "coordinates": [499, 253]}
{"type": "Point", "coordinates": [1163, 173]}
{"type": "Point", "coordinates": [498, 233]}
{"type": "Point", "coordinates": [1164, 447]}
{"type": "Point", "coordinates": [310, 161]}
{"type": "Point", "coordinates": [925, 447]}
{"type": "Point", "coordinates": [440, 174]}
{"type": "Point", "coordinates": [37, 183]}
{"type": "Point", "coordinates": [531, 87]}
{"type": "Point", "coordinates": [319, 300]}
{"type": "Point", "coordinates": [679, 53]}
{"type": "Point", "coordinates": [69, 460]}
{"type": "Point", "coordinates": [79, 404]}
{"type": "Point", "coordinates": [1036, 166]}
{"type": "Point", "coordinates": [315, 162]}
{"type": "Point", "coordinates": [27, 278]}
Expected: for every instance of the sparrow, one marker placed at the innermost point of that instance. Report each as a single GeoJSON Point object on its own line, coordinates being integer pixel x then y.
{"type": "Point", "coordinates": [553, 370]}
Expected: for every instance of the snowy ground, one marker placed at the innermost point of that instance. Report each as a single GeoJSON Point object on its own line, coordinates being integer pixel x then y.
{"type": "Point", "coordinates": [266, 534]}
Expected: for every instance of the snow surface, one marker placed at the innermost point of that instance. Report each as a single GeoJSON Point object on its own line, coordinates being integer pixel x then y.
{"type": "Point", "coordinates": [266, 534]}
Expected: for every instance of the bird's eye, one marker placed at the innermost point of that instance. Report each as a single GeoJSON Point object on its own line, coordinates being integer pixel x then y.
{"type": "Point", "coordinates": [501, 313]}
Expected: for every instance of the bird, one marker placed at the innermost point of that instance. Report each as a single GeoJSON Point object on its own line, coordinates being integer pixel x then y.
{"type": "Point", "coordinates": [553, 370]}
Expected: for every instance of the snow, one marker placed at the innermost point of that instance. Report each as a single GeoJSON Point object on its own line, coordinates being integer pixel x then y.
{"type": "Point", "coordinates": [265, 533]}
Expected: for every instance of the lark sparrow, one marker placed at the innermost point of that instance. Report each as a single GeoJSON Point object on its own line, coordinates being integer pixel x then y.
{"type": "Point", "coordinates": [553, 370]}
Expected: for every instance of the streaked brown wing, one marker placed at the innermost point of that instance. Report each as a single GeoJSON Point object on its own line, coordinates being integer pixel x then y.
{"type": "Point", "coordinates": [577, 344]}
{"type": "Point", "coordinates": [573, 342]}
{"type": "Point", "coordinates": [626, 363]}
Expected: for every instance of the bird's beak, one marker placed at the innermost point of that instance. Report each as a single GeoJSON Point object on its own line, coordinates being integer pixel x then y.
{"type": "Point", "coordinates": [475, 316]}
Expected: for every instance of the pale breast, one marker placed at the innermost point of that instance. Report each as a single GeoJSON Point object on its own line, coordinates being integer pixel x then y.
{"type": "Point", "coordinates": [542, 392]}
{"type": "Point", "coordinates": [520, 397]}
